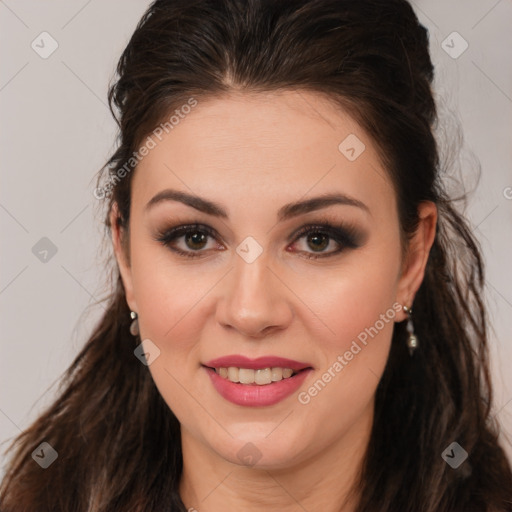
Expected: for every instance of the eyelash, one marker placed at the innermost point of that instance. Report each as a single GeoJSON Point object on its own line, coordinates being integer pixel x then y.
{"type": "Point", "coordinates": [345, 235]}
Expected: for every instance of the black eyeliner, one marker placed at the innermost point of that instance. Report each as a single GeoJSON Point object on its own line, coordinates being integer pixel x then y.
{"type": "Point", "coordinates": [346, 234]}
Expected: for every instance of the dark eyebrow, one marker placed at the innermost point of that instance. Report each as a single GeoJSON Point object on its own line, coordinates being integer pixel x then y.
{"type": "Point", "coordinates": [286, 212]}
{"type": "Point", "coordinates": [203, 205]}
{"type": "Point", "coordinates": [298, 208]}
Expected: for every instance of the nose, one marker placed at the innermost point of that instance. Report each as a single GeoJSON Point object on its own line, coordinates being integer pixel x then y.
{"type": "Point", "coordinates": [255, 300]}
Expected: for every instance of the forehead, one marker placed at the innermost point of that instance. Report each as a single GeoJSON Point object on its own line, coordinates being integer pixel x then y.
{"type": "Point", "coordinates": [264, 146]}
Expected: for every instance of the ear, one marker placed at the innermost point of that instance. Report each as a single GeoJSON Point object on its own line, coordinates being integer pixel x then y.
{"type": "Point", "coordinates": [413, 267]}
{"type": "Point", "coordinates": [121, 251]}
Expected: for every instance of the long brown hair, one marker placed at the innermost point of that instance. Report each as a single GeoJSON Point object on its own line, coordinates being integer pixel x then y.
{"type": "Point", "coordinates": [118, 442]}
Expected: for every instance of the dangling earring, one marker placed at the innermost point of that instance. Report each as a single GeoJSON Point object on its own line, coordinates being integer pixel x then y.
{"type": "Point", "coordinates": [134, 326]}
{"type": "Point", "coordinates": [412, 340]}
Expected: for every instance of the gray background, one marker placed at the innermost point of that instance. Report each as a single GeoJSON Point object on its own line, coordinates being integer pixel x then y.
{"type": "Point", "coordinates": [57, 132]}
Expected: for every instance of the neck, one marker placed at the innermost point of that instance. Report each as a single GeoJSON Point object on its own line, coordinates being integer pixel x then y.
{"type": "Point", "coordinates": [323, 481]}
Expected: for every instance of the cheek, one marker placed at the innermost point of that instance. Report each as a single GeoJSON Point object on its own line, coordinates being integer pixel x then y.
{"type": "Point", "coordinates": [359, 310]}
{"type": "Point", "coordinates": [357, 306]}
{"type": "Point", "coordinates": [360, 303]}
{"type": "Point", "coordinates": [169, 298]}
{"type": "Point", "coordinates": [351, 299]}
{"type": "Point", "coordinates": [173, 307]}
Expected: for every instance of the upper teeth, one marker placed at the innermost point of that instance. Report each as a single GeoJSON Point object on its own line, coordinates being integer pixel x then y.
{"type": "Point", "coordinates": [249, 376]}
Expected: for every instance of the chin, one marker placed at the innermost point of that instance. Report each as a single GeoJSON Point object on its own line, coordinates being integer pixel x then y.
{"type": "Point", "coordinates": [259, 453]}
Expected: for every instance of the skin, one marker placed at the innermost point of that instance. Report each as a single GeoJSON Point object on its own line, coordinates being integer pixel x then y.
{"type": "Point", "coordinates": [253, 153]}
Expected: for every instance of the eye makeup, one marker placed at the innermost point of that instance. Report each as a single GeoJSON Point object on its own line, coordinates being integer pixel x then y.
{"type": "Point", "coordinates": [346, 235]}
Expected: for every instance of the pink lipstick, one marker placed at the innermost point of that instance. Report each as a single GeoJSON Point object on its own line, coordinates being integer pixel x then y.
{"type": "Point", "coordinates": [287, 377]}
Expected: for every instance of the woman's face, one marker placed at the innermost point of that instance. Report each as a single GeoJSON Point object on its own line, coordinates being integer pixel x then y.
{"type": "Point", "coordinates": [252, 288]}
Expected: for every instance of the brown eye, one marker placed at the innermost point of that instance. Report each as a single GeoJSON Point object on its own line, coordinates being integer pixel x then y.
{"type": "Point", "coordinates": [195, 238]}
{"type": "Point", "coordinates": [319, 241]}
{"type": "Point", "coordinates": [318, 238]}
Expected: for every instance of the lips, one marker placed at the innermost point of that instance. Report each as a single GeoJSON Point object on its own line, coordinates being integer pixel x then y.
{"type": "Point", "coordinates": [260, 363]}
{"type": "Point", "coordinates": [254, 395]}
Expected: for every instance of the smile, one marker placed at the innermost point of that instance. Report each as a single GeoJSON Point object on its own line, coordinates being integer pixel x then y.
{"type": "Point", "coordinates": [261, 377]}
